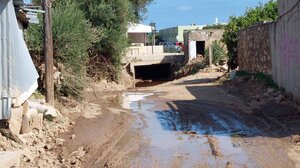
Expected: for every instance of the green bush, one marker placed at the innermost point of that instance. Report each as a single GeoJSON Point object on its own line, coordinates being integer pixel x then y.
{"type": "Point", "coordinates": [73, 35]}
{"type": "Point", "coordinates": [266, 79]}
{"type": "Point", "coordinates": [218, 53]}
{"type": "Point", "coordinates": [79, 26]}
{"type": "Point", "coordinates": [215, 26]}
{"type": "Point", "coordinates": [267, 12]}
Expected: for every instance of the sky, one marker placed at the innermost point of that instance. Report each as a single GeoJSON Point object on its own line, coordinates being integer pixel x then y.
{"type": "Point", "coordinates": [172, 13]}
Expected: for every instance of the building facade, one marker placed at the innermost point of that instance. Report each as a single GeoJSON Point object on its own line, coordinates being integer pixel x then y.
{"type": "Point", "coordinates": [175, 34]}
{"type": "Point", "coordinates": [197, 41]}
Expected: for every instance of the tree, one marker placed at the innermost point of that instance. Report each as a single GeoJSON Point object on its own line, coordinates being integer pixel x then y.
{"type": "Point", "coordinates": [73, 35]}
{"type": "Point", "coordinates": [267, 12]}
{"type": "Point", "coordinates": [215, 26]}
{"type": "Point", "coordinates": [139, 7]}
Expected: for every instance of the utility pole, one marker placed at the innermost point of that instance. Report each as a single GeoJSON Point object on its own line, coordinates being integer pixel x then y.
{"type": "Point", "coordinates": [48, 49]}
{"type": "Point", "coordinates": [153, 27]}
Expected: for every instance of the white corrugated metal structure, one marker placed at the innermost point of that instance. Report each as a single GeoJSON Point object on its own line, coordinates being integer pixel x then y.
{"type": "Point", "coordinates": [139, 28]}
{"type": "Point", "coordinates": [18, 74]}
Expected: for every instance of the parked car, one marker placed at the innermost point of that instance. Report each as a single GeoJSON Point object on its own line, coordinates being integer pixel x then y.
{"type": "Point", "coordinates": [180, 44]}
{"type": "Point", "coordinates": [170, 47]}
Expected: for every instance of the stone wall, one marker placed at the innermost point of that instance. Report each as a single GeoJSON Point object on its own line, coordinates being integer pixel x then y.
{"type": "Point", "coordinates": [207, 35]}
{"type": "Point", "coordinates": [254, 52]}
{"type": "Point", "coordinates": [274, 48]}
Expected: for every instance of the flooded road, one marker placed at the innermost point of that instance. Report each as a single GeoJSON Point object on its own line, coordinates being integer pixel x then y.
{"type": "Point", "coordinates": [172, 140]}
{"type": "Point", "coordinates": [196, 124]}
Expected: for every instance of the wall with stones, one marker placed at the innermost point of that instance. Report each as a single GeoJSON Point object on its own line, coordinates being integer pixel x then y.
{"type": "Point", "coordinates": [254, 52]}
{"type": "Point", "coordinates": [207, 35]}
{"type": "Point", "coordinates": [274, 48]}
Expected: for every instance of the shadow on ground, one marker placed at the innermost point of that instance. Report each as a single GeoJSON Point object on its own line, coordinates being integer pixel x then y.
{"type": "Point", "coordinates": [215, 112]}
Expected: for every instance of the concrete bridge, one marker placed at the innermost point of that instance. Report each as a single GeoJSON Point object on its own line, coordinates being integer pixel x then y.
{"type": "Point", "coordinates": [147, 62]}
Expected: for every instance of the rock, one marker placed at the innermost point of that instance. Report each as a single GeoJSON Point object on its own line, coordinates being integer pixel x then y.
{"type": "Point", "coordinates": [270, 90]}
{"type": "Point", "coordinates": [31, 112]}
{"type": "Point", "coordinates": [73, 136]}
{"type": "Point", "coordinates": [15, 120]}
{"type": "Point", "coordinates": [44, 109]}
{"type": "Point", "coordinates": [73, 162]}
{"type": "Point", "coordinates": [279, 98]}
{"type": "Point", "coordinates": [25, 128]}
{"type": "Point", "coordinates": [59, 141]}
{"type": "Point", "coordinates": [41, 163]}
{"type": "Point", "coordinates": [36, 122]}
{"type": "Point", "coordinates": [229, 165]}
{"type": "Point", "coordinates": [79, 153]}
{"type": "Point", "coordinates": [48, 147]}
{"type": "Point", "coordinates": [224, 67]}
{"type": "Point", "coordinates": [295, 138]}
{"type": "Point", "coordinates": [266, 95]}
{"type": "Point", "coordinates": [27, 155]}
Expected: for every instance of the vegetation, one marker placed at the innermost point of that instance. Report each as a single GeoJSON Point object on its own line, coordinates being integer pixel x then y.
{"type": "Point", "coordinates": [266, 79]}
{"type": "Point", "coordinates": [84, 30]}
{"type": "Point", "coordinates": [218, 53]}
{"type": "Point", "coordinates": [69, 28]}
{"type": "Point", "coordinates": [267, 12]}
{"type": "Point", "coordinates": [215, 26]}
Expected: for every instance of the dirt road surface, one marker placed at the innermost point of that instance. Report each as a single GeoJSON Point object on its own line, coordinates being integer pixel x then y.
{"type": "Point", "coordinates": [190, 122]}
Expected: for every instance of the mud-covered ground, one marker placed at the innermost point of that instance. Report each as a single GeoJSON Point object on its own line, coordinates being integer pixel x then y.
{"type": "Point", "coordinates": [190, 122]}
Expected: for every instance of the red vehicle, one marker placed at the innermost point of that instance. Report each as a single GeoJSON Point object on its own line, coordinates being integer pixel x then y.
{"type": "Point", "coordinates": [180, 44]}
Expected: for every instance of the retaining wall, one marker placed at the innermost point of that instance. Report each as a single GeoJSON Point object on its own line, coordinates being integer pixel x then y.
{"type": "Point", "coordinates": [274, 48]}
{"type": "Point", "coordinates": [254, 52]}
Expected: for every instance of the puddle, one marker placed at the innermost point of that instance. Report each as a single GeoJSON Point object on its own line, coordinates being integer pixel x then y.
{"type": "Point", "coordinates": [173, 139]}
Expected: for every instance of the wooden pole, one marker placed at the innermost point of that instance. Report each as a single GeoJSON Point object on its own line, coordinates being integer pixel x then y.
{"type": "Point", "coordinates": [48, 49]}
{"type": "Point", "coordinates": [210, 56]}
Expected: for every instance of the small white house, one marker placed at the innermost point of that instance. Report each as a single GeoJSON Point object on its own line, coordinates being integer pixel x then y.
{"type": "Point", "coordinates": [137, 33]}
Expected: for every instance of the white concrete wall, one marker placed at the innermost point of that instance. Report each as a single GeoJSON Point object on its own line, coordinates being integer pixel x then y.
{"type": "Point", "coordinates": [285, 47]}
{"type": "Point", "coordinates": [144, 51]}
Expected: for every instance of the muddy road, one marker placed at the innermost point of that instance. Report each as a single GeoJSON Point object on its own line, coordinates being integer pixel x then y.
{"type": "Point", "coordinates": [192, 122]}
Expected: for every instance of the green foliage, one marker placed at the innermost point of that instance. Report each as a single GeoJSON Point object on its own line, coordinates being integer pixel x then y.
{"type": "Point", "coordinates": [79, 26]}
{"type": "Point", "coordinates": [112, 17]}
{"type": "Point", "coordinates": [73, 35]}
{"type": "Point", "coordinates": [215, 26]}
{"type": "Point", "coordinates": [218, 53]}
{"type": "Point", "coordinates": [139, 7]}
{"type": "Point", "coordinates": [266, 79]}
{"type": "Point", "coordinates": [266, 12]}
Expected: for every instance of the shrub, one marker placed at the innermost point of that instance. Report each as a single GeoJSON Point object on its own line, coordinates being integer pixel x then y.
{"type": "Point", "coordinates": [73, 35]}
{"type": "Point", "coordinates": [267, 12]}
{"type": "Point", "coordinates": [217, 51]}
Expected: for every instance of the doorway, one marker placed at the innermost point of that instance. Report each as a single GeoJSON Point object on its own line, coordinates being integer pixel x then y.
{"type": "Point", "coordinates": [200, 48]}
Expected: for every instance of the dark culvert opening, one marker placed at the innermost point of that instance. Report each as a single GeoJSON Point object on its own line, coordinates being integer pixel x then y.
{"type": "Point", "coordinates": [149, 75]}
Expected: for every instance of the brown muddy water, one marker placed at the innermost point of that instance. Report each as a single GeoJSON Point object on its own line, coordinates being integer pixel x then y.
{"type": "Point", "coordinates": [170, 134]}
{"type": "Point", "coordinates": [169, 139]}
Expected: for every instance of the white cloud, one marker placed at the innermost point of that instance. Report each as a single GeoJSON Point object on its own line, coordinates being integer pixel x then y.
{"type": "Point", "coordinates": [185, 8]}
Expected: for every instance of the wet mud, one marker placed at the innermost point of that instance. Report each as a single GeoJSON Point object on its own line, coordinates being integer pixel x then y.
{"type": "Point", "coordinates": [184, 125]}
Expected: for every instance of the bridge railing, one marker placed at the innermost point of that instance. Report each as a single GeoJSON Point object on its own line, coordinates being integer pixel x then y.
{"type": "Point", "coordinates": [144, 51]}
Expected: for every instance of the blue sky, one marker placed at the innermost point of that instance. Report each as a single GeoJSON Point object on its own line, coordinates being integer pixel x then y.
{"type": "Point", "coordinates": [171, 13]}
